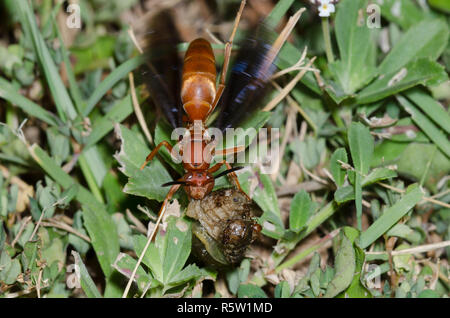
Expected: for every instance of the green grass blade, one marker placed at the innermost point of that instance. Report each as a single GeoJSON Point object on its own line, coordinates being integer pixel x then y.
{"type": "Point", "coordinates": [422, 71]}
{"type": "Point", "coordinates": [87, 284]}
{"type": "Point", "coordinates": [55, 172]}
{"type": "Point", "coordinates": [391, 216]}
{"type": "Point", "coordinates": [99, 223]}
{"type": "Point", "coordinates": [278, 12]}
{"type": "Point", "coordinates": [313, 223]}
{"type": "Point", "coordinates": [115, 76]}
{"type": "Point", "coordinates": [60, 95]}
{"type": "Point", "coordinates": [426, 125]}
{"type": "Point", "coordinates": [90, 179]}
{"type": "Point", "coordinates": [8, 93]}
{"type": "Point", "coordinates": [361, 148]}
{"type": "Point", "coordinates": [103, 233]}
{"type": "Point", "coordinates": [426, 39]}
{"type": "Point", "coordinates": [73, 86]}
{"type": "Point", "coordinates": [430, 107]}
{"type": "Point", "coordinates": [121, 110]}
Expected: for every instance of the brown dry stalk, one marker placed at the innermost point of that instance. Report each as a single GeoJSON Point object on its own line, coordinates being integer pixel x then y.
{"type": "Point", "coordinates": [285, 91]}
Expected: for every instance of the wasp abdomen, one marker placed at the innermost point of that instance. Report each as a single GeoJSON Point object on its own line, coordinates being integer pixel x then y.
{"type": "Point", "coordinates": [198, 87]}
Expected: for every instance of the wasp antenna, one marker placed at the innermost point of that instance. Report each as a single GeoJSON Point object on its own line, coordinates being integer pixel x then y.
{"type": "Point", "coordinates": [228, 171]}
{"type": "Point", "coordinates": [173, 183]}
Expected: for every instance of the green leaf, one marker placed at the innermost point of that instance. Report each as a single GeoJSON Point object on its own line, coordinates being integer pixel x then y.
{"type": "Point", "coordinates": [125, 265]}
{"type": "Point", "coordinates": [146, 182]}
{"type": "Point", "coordinates": [345, 265]}
{"type": "Point", "coordinates": [309, 151]}
{"type": "Point", "coordinates": [9, 273]}
{"type": "Point", "coordinates": [300, 211]}
{"type": "Point", "coordinates": [87, 284]}
{"type": "Point", "coordinates": [414, 159]}
{"type": "Point", "coordinates": [2, 234]}
{"type": "Point", "coordinates": [356, 288]}
{"type": "Point", "coordinates": [344, 194]}
{"type": "Point", "coordinates": [250, 291]}
{"type": "Point", "coordinates": [391, 216]}
{"type": "Point", "coordinates": [347, 193]}
{"type": "Point", "coordinates": [442, 5]}
{"type": "Point", "coordinates": [237, 276]}
{"type": "Point", "coordinates": [97, 55]}
{"type": "Point", "coordinates": [30, 250]}
{"type": "Point", "coordinates": [282, 290]}
{"type": "Point", "coordinates": [428, 293]}
{"type": "Point", "coordinates": [426, 39]}
{"type": "Point", "coordinates": [265, 196]}
{"type": "Point", "coordinates": [103, 234]}
{"type": "Point", "coordinates": [77, 242]}
{"type": "Point", "coordinates": [314, 281]}
{"type": "Point", "coordinates": [59, 144]}
{"type": "Point", "coordinates": [405, 232]}
{"type": "Point", "coordinates": [190, 272]}
{"type": "Point", "coordinates": [356, 46]}
{"type": "Point", "coordinates": [428, 127]}
{"type": "Point", "coordinates": [404, 13]}
{"type": "Point", "coordinates": [96, 164]}
{"type": "Point", "coordinates": [377, 175]}
{"type": "Point", "coordinates": [336, 170]}
{"type": "Point", "coordinates": [421, 71]}
{"type": "Point", "coordinates": [361, 148]}
{"type": "Point", "coordinates": [167, 256]}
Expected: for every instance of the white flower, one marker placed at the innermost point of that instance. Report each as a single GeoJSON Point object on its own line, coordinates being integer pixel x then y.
{"type": "Point", "coordinates": [325, 8]}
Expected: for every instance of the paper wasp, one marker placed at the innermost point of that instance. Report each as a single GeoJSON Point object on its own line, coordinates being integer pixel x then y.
{"type": "Point", "coordinates": [188, 98]}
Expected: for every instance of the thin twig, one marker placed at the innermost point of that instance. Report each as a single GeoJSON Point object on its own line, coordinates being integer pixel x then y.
{"type": "Point", "coordinates": [139, 226]}
{"type": "Point", "coordinates": [297, 107]}
{"type": "Point", "coordinates": [133, 38]}
{"type": "Point", "coordinates": [431, 200]}
{"type": "Point", "coordinates": [287, 132]}
{"type": "Point", "coordinates": [296, 67]}
{"type": "Point", "coordinates": [144, 251]}
{"type": "Point", "coordinates": [274, 102]}
{"type": "Point", "coordinates": [137, 109]}
{"type": "Point", "coordinates": [414, 250]}
{"type": "Point", "coordinates": [22, 227]}
{"type": "Point", "coordinates": [65, 227]}
{"type": "Point", "coordinates": [134, 99]}
{"type": "Point", "coordinates": [59, 201]}
{"type": "Point", "coordinates": [38, 284]}
{"type": "Point", "coordinates": [437, 268]}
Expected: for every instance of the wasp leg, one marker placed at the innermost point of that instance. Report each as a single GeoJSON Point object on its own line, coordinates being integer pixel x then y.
{"type": "Point", "coordinates": [229, 151]}
{"type": "Point", "coordinates": [232, 175]}
{"type": "Point", "coordinates": [155, 151]}
{"type": "Point", "coordinates": [226, 61]}
{"type": "Point", "coordinates": [162, 210]}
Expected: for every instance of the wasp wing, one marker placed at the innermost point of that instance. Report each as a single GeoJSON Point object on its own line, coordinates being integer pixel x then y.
{"type": "Point", "coordinates": [248, 82]}
{"type": "Point", "coordinates": [162, 72]}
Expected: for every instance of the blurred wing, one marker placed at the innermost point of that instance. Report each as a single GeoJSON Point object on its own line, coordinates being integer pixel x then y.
{"type": "Point", "coordinates": [162, 72]}
{"type": "Point", "coordinates": [247, 84]}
